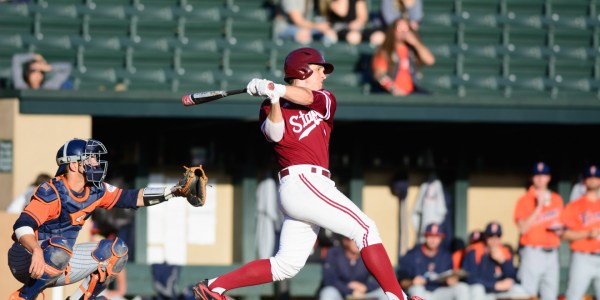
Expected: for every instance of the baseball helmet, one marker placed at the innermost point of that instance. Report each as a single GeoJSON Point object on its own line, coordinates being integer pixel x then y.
{"type": "Point", "coordinates": [76, 150]}
{"type": "Point", "coordinates": [297, 61]}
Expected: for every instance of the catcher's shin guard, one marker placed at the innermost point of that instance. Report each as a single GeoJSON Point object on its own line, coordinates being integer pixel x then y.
{"type": "Point", "coordinates": [112, 258]}
{"type": "Point", "coordinates": [57, 254]}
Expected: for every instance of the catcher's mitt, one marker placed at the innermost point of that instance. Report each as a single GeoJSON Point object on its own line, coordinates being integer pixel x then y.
{"type": "Point", "coordinates": [192, 186]}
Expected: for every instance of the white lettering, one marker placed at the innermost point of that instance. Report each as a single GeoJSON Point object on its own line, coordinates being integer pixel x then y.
{"type": "Point", "coordinates": [305, 123]}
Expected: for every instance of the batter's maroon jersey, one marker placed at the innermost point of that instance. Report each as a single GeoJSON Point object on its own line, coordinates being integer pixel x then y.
{"type": "Point", "coordinates": [307, 130]}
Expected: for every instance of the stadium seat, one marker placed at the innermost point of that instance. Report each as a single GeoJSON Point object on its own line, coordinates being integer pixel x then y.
{"type": "Point", "coordinates": [95, 79]}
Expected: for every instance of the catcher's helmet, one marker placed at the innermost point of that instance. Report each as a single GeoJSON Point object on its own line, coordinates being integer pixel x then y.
{"type": "Point", "coordinates": [79, 150]}
{"type": "Point", "coordinates": [296, 63]}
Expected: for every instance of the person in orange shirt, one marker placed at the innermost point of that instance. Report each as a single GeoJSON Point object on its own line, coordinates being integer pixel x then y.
{"type": "Point", "coordinates": [45, 254]}
{"type": "Point", "coordinates": [537, 216]}
{"type": "Point", "coordinates": [582, 220]}
{"type": "Point", "coordinates": [476, 236]}
{"type": "Point", "coordinates": [394, 62]}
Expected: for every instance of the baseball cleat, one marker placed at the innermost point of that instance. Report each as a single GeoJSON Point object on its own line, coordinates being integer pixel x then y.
{"type": "Point", "coordinates": [202, 292]}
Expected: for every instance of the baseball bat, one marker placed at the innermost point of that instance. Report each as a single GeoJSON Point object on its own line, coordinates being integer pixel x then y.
{"type": "Point", "coordinates": [204, 97]}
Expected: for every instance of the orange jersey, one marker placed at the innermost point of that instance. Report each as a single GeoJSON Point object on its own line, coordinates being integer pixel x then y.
{"type": "Point", "coordinates": [57, 211]}
{"type": "Point", "coordinates": [579, 215]}
{"type": "Point", "coordinates": [538, 234]}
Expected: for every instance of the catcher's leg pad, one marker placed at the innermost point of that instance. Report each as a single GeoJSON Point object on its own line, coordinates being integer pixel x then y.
{"type": "Point", "coordinates": [111, 256]}
{"type": "Point", "coordinates": [57, 254]}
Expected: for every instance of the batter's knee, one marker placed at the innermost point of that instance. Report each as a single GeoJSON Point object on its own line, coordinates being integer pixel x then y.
{"type": "Point", "coordinates": [284, 268]}
{"type": "Point", "coordinates": [57, 252]}
{"type": "Point", "coordinates": [365, 234]}
{"type": "Point", "coordinates": [114, 252]}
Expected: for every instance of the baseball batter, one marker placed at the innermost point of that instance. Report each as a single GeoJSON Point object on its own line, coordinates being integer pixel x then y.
{"type": "Point", "coordinates": [582, 220]}
{"type": "Point", "coordinates": [297, 120]}
{"type": "Point", "coordinates": [44, 253]}
{"type": "Point", "coordinates": [537, 215]}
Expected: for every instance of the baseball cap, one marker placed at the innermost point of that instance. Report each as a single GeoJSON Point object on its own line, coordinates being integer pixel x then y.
{"type": "Point", "coordinates": [591, 171]}
{"type": "Point", "coordinates": [475, 236]}
{"type": "Point", "coordinates": [493, 228]}
{"type": "Point", "coordinates": [433, 229]}
{"type": "Point", "coordinates": [541, 168]}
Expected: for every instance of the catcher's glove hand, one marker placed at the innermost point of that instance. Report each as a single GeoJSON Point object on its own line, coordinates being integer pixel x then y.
{"type": "Point", "coordinates": [192, 186]}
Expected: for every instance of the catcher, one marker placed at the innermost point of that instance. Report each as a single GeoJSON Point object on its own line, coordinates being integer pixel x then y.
{"type": "Point", "coordinates": [45, 254]}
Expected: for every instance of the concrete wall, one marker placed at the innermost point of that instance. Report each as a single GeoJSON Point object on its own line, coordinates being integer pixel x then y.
{"type": "Point", "coordinates": [36, 138]}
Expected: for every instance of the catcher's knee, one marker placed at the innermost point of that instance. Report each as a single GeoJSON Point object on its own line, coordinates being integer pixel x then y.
{"type": "Point", "coordinates": [114, 253]}
{"type": "Point", "coordinates": [366, 234]}
{"type": "Point", "coordinates": [57, 254]}
{"type": "Point", "coordinates": [283, 268]}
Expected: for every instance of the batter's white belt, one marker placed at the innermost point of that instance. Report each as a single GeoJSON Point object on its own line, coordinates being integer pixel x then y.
{"type": "Point", "coordinates": [299, 169]}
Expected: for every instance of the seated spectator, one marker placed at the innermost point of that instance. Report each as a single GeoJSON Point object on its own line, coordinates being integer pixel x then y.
{"type": "Point", "coordinates": [426, 270]}
{"type": "Point", "coordinates": [349, 20]}
{"type": "Point", "coordinates": [17, 205]}
{"type": "Point", "coordinates": [409, 9]}
{"type": "Point", "coordinates": [298, 22]}
{"type": "Point", "coordinates": [395, 60]}
{"type": "Point", "coordinates": [31, 71]}
{"type": "Point", "coordinates": [345, 275]}
{"type": "Point", "coordinates": [490, 268]}
{"type": "Point", "coordinates": [457, 256]}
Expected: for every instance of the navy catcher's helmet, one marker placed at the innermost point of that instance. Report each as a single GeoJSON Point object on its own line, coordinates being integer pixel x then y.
{"type": "Point", "coordinates": [296, 63]}
{"type": "Point", "coordinates": [76, 150]}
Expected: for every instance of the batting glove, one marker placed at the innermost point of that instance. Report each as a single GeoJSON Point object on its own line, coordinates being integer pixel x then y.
{"type": "Point", "coordinates": [265, 88]}
{"type": "Point", "coordinates": [252, 87]}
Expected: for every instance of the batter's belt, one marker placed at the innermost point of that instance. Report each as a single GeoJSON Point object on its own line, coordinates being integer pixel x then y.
{"type": "Point", "coordinates": [303, 169]}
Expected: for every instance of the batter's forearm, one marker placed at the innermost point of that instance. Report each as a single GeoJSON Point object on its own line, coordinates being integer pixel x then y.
{"type": "Point", "coordinates": [298, 95]}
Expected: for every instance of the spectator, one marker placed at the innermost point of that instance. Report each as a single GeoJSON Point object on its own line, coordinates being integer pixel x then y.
{"type": "Point", "coordinates": [349, 20]}
{"type": "Point", "coordinates": [583, 232]}
{"type": "Point", "coordinates": [299, 23]}
{"type": "Point", "coordinates": [395, 60]}
{"type": "Point", "coordinates": [345, 275]}
{"type": "Point", "coordinates": [31, 71]}
{"type": "Point", "coordinates": [457, 256]}
{"type": "Point", "coordinates": [17, 205]}
{"type": "Point", "coordinates": [537, 216]}
{"type": "Point", "coordinates": [490, 268]}
{"type": "Point", "coordinates": [426, 270]}
{"type": "Point", "coordinates": [408, 9]}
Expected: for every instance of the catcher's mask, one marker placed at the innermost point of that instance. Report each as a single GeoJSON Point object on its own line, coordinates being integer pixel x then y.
{"type": "Point", "coordinates": [297, 63]}
{"type": "Point", "coordinates": [76, 150]}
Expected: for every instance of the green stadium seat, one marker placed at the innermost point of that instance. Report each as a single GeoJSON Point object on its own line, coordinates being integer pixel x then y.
{"type": "Point", "coordinates": [241, 28]}
{"type": "Point", "coordinates": [476, 67]}
{"type": "Point", "coordinates": [529, 7]}
{"type": "Point", "coordinates": [248, 55]}
{"type": "Point", "coordinates": [526, 36]}
{"type": "Point", "coordinates": [104, 9]}
{"type": "Point", "coordinates": [566, 37]}
{"type": "Point", "coordinates": [15, 18]}
{"type": "Point", "coordinates": [95, 79]}
{"type": "Point", "coordinates": [107, 27]}
{"type": "Point", "coordinates": [145, 79]}
{"type": "Point", "coordinates": [142, 58]}
{"type": "Point", "coordinates": [10, 41]}
{"type": "Point", "coordinates": [198, 61]}
{"type": "Point", "coordinates": [194, 81]}
{"type": "Point", "coordinates": [527, 67]}
{"type": "Point", "coordinates": [199, 29]}
{"type": "Point", "coordinates": [574, 69]}
{"type": "Point", "coordinates": [101, 57]}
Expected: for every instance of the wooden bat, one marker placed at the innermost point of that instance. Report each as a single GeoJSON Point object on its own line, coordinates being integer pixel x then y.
{"type": "Point", "coordinates": [204, 97]}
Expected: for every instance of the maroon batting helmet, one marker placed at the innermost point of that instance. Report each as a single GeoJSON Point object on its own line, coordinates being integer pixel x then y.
{"type": "Point", "coordinates": [296, 63]}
